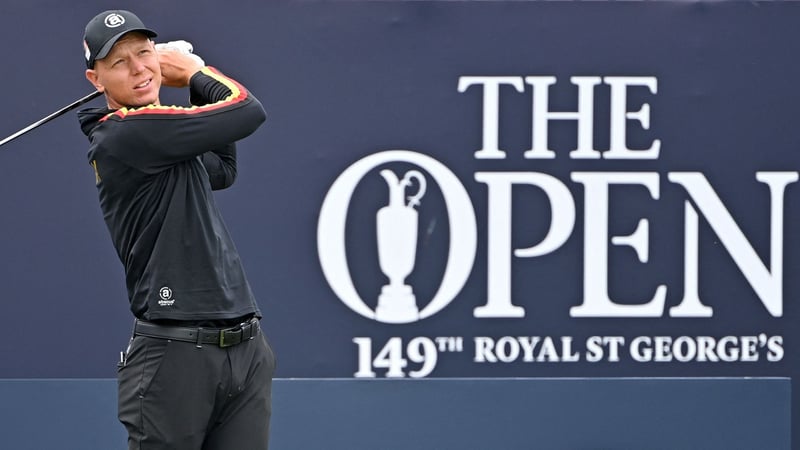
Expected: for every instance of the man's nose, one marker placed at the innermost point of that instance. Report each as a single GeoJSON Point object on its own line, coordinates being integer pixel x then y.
{"type": "Point", "coordinates": [137, 65]}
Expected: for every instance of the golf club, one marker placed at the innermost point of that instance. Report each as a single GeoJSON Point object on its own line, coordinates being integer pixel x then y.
{"type": "Point", "coordinates": [52, 116]}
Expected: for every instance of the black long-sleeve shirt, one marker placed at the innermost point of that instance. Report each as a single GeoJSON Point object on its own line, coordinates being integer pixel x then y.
{"type": "Point", "coordinates": [155, 169]}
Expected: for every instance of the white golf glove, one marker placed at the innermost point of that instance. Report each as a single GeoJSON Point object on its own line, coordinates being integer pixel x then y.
{"type": "Point", "coordinates": [184, 47]}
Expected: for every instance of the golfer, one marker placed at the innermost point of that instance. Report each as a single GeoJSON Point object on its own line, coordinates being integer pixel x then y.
{"type": "Point", "coordinates": [197, 373]}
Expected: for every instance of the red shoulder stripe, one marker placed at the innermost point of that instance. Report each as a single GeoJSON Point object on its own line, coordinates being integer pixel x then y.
{"type": "Point", "coordinates": [238, 94]}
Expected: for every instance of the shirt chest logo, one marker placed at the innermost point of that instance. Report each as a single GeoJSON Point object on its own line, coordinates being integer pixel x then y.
{"type": "Point", "coordinates": [165, 297]}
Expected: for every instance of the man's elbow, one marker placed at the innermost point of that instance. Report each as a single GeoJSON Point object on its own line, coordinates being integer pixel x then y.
{"type": "Point", "coordinates": [258, 115]}
{"type": "Point", "coordinates": [223, 180]}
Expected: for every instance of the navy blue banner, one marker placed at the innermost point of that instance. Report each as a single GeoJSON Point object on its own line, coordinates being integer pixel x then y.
{"type": "Point", "coordinates": [409, 414]}
{"type": "Point", "coordinates": [446, 189]}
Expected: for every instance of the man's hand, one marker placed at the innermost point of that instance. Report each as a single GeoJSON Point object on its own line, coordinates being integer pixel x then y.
{"type": "Point", "coordinates": [178, 63]}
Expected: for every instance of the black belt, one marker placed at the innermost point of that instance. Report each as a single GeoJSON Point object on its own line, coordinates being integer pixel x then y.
{"type": "Point", "coordinates": [223, 337]}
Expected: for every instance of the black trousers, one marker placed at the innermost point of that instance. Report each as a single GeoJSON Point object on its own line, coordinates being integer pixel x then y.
{"type": "Point", "coordinates": [174, 395]}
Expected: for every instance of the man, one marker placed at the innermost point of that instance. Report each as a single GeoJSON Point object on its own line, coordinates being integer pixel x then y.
{"type": "Point", "coordinates": [197, 374]}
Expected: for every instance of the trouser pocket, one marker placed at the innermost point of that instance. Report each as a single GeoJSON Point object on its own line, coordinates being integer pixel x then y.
{"type": "Point", "coordinates": [134, 377]}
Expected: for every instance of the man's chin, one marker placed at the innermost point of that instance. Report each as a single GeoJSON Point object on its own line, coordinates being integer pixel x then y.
{"type": "Point", "coordinates": [142, 102]}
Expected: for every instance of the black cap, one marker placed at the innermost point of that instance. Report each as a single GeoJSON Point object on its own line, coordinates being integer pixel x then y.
{"type": "Point", "coordinates": [105, 29]}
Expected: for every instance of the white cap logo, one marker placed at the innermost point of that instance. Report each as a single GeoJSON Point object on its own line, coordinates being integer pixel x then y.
{"type": "Point", "coordinates": [86, 52]}
{"type": "Point", "coordinates": [114, 20]}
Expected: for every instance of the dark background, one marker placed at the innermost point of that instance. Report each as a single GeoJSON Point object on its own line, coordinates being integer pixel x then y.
{"type": "Point", "coordinates": [343, 80]}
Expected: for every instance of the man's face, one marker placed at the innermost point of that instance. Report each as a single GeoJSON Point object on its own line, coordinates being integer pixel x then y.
{"type": "Point", "coordinates": [130, 74]}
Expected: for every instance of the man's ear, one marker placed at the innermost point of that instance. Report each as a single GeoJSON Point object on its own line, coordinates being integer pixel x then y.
{"type": "Point", "coordinates": [91, 75]}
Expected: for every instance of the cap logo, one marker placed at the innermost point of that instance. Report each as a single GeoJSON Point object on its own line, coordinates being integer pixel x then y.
{"type": "Point", "coordinates": [114, 20]}
{"type": "Point", "coordinates": [86, 52]}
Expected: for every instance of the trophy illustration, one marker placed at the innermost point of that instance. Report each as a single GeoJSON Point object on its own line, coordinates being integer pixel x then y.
{"type": "Point", "coordinates": [397, 225]}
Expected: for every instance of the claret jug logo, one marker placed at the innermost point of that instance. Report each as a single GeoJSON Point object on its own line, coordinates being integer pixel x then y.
{"type": "Point", "coordinates": [397, 225]}
{"type": "Point", "coordinates": [397, 233]}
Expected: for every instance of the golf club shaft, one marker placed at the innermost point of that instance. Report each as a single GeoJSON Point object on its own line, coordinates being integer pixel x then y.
{"type": "Point", "coordinates": [52, 116]}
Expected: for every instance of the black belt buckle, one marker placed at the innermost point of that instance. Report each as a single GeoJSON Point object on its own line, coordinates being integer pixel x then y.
{"type": "Point", "coordinates": [237, 334]}
{"type": "Point", "coordinates": [232, 339]}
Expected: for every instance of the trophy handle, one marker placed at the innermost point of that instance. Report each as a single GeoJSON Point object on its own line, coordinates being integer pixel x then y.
{"type": "Point", "coordinates": [413, 200]}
